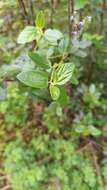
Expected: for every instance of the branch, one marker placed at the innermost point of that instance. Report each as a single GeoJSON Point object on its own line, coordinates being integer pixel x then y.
{"type": "Point", "coordinates": [91, 65]}
{"type": "Point", "coordinates": [72, 7]}
{"type": "Point", "coordinates": [88, 144]}
{"type": "Point", "coordinates": [9, 80]}
{"type": "Point", "coordinates": [70, 13]}
{"type": "Point", "coordinates": [102, 16]}
{"type": "Point", "coordinates": [52, 13]}
{"type": "Point", "coordinates": [32, 12]}
{"type": "Point", "coordinates": [24, 12]}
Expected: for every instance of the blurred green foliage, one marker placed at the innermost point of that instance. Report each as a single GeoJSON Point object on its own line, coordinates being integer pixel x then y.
{"type": "Point", "coordinates": [52, 164]}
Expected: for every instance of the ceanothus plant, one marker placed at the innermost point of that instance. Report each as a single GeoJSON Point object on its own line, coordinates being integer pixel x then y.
{"type": "Point", "coordinates": [53, 68]}
{"type": "Point", "coordinates": [49, 64]}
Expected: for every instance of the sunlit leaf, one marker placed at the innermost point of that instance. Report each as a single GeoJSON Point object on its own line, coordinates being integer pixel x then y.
{"type": "Point", "coordinates": [80, 4]}
{"type": "Point", "coordinates": [27, 35]}
{"type": "Point", "coordinates": [63, 73]}
{"type": "Point", "coordinates": [40, 20]}
{"type": "Point", "coordinates": [52, 36]}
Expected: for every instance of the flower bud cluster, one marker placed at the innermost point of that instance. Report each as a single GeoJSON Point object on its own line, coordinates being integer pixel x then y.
{"type": "Point", "coordinates": [78, 26]}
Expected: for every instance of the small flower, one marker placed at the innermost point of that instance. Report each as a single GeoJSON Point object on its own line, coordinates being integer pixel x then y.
{"type": "Point", "coordinates": [89, 18]}
{"type": "Point", "coordinates": [72, 18]}
{"type": "Point", "coordinates": [81, 23]}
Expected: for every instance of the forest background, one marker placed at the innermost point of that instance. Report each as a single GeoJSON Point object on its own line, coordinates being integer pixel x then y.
{"type": "Point", "coordinates": [53, 136]}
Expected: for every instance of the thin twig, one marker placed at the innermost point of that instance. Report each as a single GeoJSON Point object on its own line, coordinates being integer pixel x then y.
{"type": "Point", "coordinates": [7, 187]}
{"type": "Point", "coordinates": [56, 56]}
{"type": "Point", "coordinates": [52, 13]}
{"type": "Point", "coordinates": [32, 11]}
{"type": "Point", "coordinates": [92, 143]}
{"type": "Point", "coordinates": [24, 12]}
{"type": "Point", "coordinates": [97, 167]}
{"type": "Point", "coordinates": [46, 159]}
{"type": "Point", "coordinates": [9, 80]}
{"type": "Point", "coordinates": [91, 65]}
{"type": "Point", "coordinates": [70, 13]}
{"type": "Point", "coordinates": [83, 148]}
{"type": "Point", "coordinates": [102, 16]}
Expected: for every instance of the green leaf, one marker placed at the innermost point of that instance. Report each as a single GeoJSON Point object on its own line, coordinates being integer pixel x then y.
{"type": "Point", "coordinates": [40, 20]}
{"type": "Point", "coordinates": [41, 93]}
{"type": "Point", "coordinates": [63, 99]}
{"type": "Point", "coordinates": [35, 79]}
{"type": "Point", "coordinates": [64, 45]}
{"type": "Point", "coordinates": [55, 92]}
{"type": "Point", "coordinates": [63, 73]}
{"type": "Point", "coordinates": [8, 70]}
{"type": "Point", "coordinates": [27, 35]}
{"type": "Point", "coordinates": [79, 4]}
{"type": "Point", "coordinates": [52, 36]}
{"type": "Point", "coordinates": [94, 131]}
{"type": "Point", "coordinates": [40, 60]}
{"type": "Point", "coordinates": [75, 76]}
{"type": "Point", "coordinates": [87, 130]}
